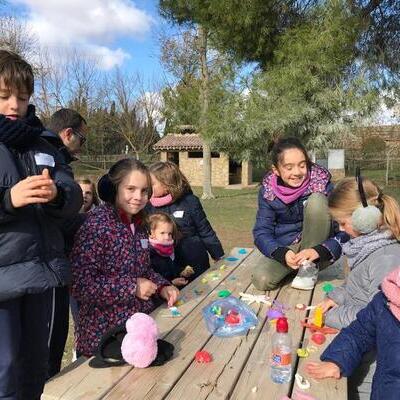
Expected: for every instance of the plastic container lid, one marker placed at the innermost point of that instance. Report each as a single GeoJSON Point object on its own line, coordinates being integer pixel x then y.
{"type": "Point", "coordinates": [282, 325]}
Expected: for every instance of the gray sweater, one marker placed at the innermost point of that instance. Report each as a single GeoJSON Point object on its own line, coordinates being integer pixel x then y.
{"type": "Point", "coordinates": [361, 285]}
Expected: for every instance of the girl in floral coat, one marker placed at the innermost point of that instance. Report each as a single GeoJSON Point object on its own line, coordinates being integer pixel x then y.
{"type": "Point", "coordinates": [112, 278]}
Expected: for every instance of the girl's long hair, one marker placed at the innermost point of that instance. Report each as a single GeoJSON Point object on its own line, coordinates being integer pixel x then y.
{"type": "Point", "coordinates": [171, 177]}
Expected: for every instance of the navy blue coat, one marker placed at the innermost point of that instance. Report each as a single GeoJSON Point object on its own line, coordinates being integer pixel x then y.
{"type": "Point", "coordinates": [165, 266]}
{"type": "Point", "coordinates": [375, 328]}
{"type": "Point", "coordinates": [198, 237]}
{"type": "Point", "coordinates": [32, 257]}
{"type": "Point", "coordinates": [279, 225]}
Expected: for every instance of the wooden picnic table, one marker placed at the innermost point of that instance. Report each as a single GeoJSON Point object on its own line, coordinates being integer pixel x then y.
{"type": "Point", "coordinates": [240, 367]}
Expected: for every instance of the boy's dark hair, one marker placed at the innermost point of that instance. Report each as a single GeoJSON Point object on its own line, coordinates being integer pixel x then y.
{"type": "Point", "coordinates": [65, 118]}
{"type": "Point", "coordinates": [15, 72]}
{"type": "Point", "coordinates": [277, 149]}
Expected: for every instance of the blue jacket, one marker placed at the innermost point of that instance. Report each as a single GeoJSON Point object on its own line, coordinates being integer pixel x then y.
{"type": "Point", "coordinates": [164, 265]}
{"type": "Point", "coordinates": [32, 257]}
{"type": "Point", "coordinates": [198, 236]}
{"type": "Point", "coordinates": [279, 225]}
{"type": "Point", "coordinates": [375, 328]}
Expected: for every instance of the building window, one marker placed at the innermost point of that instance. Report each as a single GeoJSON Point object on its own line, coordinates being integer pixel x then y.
{"type": "Point", "coordinates": [195, 154]}
{"type": "Point", "coordinates": [199, 154]}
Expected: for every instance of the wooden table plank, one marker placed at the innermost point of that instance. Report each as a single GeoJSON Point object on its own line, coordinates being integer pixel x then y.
{"type": "Point", "coordinates": [217, 379]}
{"type": "Point", "coordinates": [191, 336]}
{"type": "Point", "coordinates": [89, 383]}
{"type": "Point", "coordinates": [327, 389]}
{"type": "Point", "coordinates": [255, 379]}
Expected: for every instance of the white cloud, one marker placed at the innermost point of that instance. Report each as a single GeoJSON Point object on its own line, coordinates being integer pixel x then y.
{"type": "Point", "coordinates": [107, 57]}
{"type": "Point", "coordinates": [94, 25]}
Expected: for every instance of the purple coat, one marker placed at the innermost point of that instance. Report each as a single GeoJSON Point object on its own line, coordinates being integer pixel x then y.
{"type": "Point", "coordinates": [106, 261]}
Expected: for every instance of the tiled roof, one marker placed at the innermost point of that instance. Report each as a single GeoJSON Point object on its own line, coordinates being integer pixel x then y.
{"type": "Point", "coordinates": [177, 141]}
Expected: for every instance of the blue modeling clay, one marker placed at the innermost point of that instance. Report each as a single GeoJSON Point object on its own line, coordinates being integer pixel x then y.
{"type": "Point", "coordinates": [242, 251]}
{"type": "Point", "coordinates": [231, 259]}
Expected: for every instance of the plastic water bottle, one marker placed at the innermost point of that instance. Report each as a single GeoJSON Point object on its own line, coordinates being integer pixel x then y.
{"type": "Point", "coordinates": [281, 360]}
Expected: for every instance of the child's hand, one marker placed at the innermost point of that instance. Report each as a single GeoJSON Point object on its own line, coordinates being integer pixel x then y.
{"type": "Point", "coordinates": [170, 293]}
{"type": "Point", "coordinates": [323, 370]}
{"type": "Point", "coordinates": [32, 190]}
{"type": "Point", "coordinates": [179, 281]}
{"type": "Point", "coordinates": [326, 304]}
{"type": "Point", "coordinates": [51, 187]}
{"type": "Point", "coordinates": [306, 254]}
{"type": "Point", "coordinates": [145, 288]}
{"type": "Point", "coordinates": [290, 258]}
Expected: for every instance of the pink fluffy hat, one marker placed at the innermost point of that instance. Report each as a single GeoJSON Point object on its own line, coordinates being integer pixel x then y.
{"type": "Point", "coordinates": [136, 343]}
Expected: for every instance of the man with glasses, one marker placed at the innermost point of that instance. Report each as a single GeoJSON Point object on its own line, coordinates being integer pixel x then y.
{"type": "Point", "coordinates": [66, 131]}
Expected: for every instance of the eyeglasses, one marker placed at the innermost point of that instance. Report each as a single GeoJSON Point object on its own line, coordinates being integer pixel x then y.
{"type": "Point", "coordinates": [81, 136]}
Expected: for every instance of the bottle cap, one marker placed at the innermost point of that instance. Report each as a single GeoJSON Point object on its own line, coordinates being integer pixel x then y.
{"type": "Point", "coordinates": [282, 325]}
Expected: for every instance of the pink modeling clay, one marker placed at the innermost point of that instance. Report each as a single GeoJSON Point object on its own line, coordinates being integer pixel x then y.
{"type": "Point", "coordinates": [318, 338]}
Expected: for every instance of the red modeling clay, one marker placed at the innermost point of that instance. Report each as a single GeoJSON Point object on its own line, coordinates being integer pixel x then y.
{"type": "Point", "coordinates": [232, 319]}
{"type": "Point", "coordinates": [318, 338]}
{"type": "Point", "coordinates": [326, 330]}
{"type": "Point", "coordinates": [203, 357]}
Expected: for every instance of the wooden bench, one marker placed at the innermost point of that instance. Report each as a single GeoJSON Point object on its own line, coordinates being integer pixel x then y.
{"type": "Point", "coordinates": [240, 367]}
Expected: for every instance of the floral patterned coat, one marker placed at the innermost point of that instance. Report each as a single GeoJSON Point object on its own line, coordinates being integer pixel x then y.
{"type": "Point", "coordinates": [107, 258]}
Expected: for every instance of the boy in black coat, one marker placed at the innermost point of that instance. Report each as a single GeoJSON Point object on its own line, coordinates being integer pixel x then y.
{"type": "Point", "coordinates": [36, 194]}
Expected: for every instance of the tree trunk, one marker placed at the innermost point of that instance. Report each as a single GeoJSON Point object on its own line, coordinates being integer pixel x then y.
{"type": "Point", "coordinates": [387, 168]}
{"type": "Point", "coordinates": [202, 45]}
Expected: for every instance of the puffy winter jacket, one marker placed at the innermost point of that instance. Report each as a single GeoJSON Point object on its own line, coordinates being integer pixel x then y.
{"type": "Point", "coordinates": [280, 225]}
{"type": "Point", "coordinates": [375, 328]}
{"type": "Point", "coordinates": [32, 256]}
{"type": "Point", "coordinates": [361, 285]}
{"type": "Point", "coordinates": [198, 237]}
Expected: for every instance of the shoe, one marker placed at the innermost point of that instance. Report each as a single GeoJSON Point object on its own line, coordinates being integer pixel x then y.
{"type": "Point", "coordinates": [306, 277]}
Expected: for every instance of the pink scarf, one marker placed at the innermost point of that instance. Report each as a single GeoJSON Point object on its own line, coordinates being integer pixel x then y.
{"type": "Point", "coordinates": [289, 194]}
{"type": "Point", "coordinates": [164, 248]}
{"type": "Point", "coordinates": [161, 201]}
{"type": "Point", "coordinates": [391, 289]}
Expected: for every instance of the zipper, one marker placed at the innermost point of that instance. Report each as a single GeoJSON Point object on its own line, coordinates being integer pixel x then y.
{"type": "Point", "coordinates": [39, 214]}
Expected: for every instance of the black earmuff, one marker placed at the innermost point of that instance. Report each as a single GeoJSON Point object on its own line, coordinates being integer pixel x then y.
{"type": "Point", "coordinates": [106, 189]}
{"type": "Point", "coordinates": [366, 218]}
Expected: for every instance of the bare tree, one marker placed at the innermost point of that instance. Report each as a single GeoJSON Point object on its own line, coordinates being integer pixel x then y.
{"type": "Point", "coordinates": [134, 117]}
{"type": "Point", "coordinates": [16, 36]}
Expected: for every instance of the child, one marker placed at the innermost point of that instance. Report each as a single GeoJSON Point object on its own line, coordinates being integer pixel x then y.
{"type": "Point", "coordinates": [172, 194]}
{"type": "Point", "coordinates": [37, 194]}
{"type": "Point", "coordinates": [377, 326]}
{"type": "Point", "coordinates": [293, 222]}
{"type": "Point", "coordinates": [372, 253]}
{"type": "Point", "coordinates": [112, 276]}
{"type": "Point", "coordinates": [163, 234]}
{"type": "Point", "coordinates": [90, 199]}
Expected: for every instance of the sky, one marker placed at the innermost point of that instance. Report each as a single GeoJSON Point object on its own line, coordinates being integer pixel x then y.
{"type": "Point", "coordinates": [121, 33]}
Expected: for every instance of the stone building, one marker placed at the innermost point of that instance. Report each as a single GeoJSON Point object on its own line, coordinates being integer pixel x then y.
{"type": "Point", "coordinates": [186, 150]}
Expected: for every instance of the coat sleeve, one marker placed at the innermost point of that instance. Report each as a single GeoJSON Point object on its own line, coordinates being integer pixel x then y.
{"type": "Point", "coordinates": [69, 197]}
{"type": "Point", "coordinates": [91, 281]}
{"type": "Point", "coordinates": [264, 227]}
{"type": "Point", "coordinates": [372, 277]}
{"type": "Point", "coordinates": [358, 338]}
{"type": "Point", "coordinates": [338, 295]}
{"type": "Point", "coordinates": [205, 230]}
{"type": "Point", "coordinates": [7, 211]}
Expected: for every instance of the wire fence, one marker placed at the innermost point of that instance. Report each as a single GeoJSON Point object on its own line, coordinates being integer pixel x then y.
{"type": "Point", "coordinates": [383, 170]}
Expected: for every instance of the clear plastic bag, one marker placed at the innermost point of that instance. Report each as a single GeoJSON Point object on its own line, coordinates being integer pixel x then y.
{"type": "Point", "coordinates": [229, 317]}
